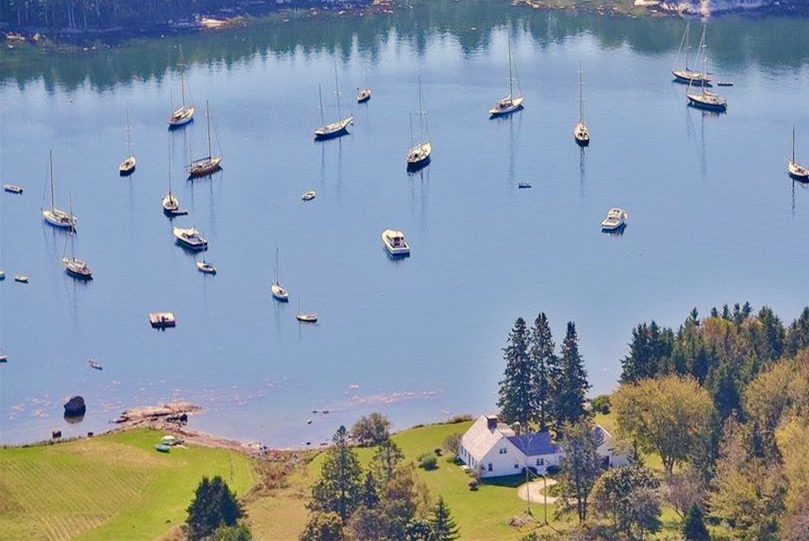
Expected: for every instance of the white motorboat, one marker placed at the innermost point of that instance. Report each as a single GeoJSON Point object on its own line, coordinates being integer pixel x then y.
{"type": "Point", "coordinates": [210, 163]}
{"type": "Point", "coordinates": [190, 238]}
{"type": "Point", "coordinates": [12, 188]}
{"type": "Point", "coordinates": [55, 216]}
{"type": "Point", "coordinates": [509, 103]}
{"type": "Point", "coordinates": [580, 131]}
{"type": "Point", "coordinates": [279, 292]}
{"type": "Point", "coordinates": [395, 243]}
{"type": "Point", "coordinates": [127, 166]}
{"type": "Point", "coordinates": [420, 154]}
{"type": "Point", "coordinates": [363, 95]}
{"type": "Point", "coordinates": [796, 170]}
{"type": "Point", "coordinates": [308, 196]}
{"type": "Point", "coordinates": [21, 278]}
{"type": "Point", "coordinates": [616, 219]}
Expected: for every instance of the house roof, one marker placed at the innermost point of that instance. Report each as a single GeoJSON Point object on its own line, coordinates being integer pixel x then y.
{"type": "Point", "coordinates": [483, 435]}
{"type": "Point", "coordinates": [538, 443]}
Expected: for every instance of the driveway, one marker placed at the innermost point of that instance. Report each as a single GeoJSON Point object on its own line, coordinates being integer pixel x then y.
{"type": "Point", "coordinates": [535, 488]}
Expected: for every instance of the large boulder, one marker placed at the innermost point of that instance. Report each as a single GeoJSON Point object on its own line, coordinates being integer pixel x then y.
{"type": "Point", "coordinates": [75, 407]}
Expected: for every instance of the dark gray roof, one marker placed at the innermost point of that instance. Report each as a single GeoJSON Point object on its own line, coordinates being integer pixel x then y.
{"type": "Point", "coordinates": [538, 443]}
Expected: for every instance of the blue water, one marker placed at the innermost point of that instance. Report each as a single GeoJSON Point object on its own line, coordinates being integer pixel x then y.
{"type": "Point", "coordinates": [713, 219]}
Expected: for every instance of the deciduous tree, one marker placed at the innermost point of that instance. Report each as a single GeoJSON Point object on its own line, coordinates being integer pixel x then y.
{"type": "Point", "coordinates": [627, 496]}
{"type": "Point", "coordinates": [581, 465]}
{"type": "Point", "coordinates": [371, 430]}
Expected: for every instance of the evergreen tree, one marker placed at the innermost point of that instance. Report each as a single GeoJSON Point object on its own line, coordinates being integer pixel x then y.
{"type": "Point", "coordinates": [214, 505]}
{"type": "Point", "coordinates": [571, 384]}
{"type": "Point", "coordinates": [340, 485]}
{"type": "Point", "coordinates": [323, 527]}
{"type": "Point", "coordinates": [544, 369]}
{"type": "Point", "coordinates": [386, 459]}
{"type": "Point", "coordinates": [798, 333]}
{"type": "Point", "coordinates": [649, 353]}
{"type": "Point", "coordinates": [443, 526]}
{"type": "Point", "coordinates": [369, 497]}
{"type": "Point", "coordinates": [515, 401]}
{"type": "Point", "coordinates": [694, 527]}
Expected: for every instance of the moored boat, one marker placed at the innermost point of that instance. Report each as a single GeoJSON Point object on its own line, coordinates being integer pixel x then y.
{"type": "Point", "coordinates": [161, 320]}
{"type": "Point", "coordinates": [95, 364]}
{"type": "Point", "coordinates": [509, 103]}
{"type": "Point", "coordinates": [205, 267]}
{"type": "Point", "coordinates": [687, 75]}
{"type": "Point", "coordinates": [308, 196]}
{"type": "Point", "coordinates": [12, 188]}
{"type": "Point", "coordinates": [210, 163]}
{"type": "Point", "coordinates": [616, 219]}
{"type": "Point", "coordinates": [524, 184]}
{"type": "Point", "coordinates": [581, 132]}
{"type": "Point", "coordinates": [185, 113]}
{"type": "Point", "coordinates": [796, 170]}
{"type": "Point", "coordinates": [279, 292]}
{"type": "Point", "coordinates": [190, 238]}
{"type": "Point", "coordinates": [55, 216]}
{"type": "Point", "coordinates": [21, 278]}
{"type": "Point", "coordinates": [420, 154]}
{"type": "Point", "coordinates": [127, 166]}
{"type": "Point", "coordinates": [395, 243]}
{"type": "Point", "coordinates": [337, 128]}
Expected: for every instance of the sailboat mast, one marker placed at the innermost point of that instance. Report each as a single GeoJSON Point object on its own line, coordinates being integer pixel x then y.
{"type": "Point", "coordinates": [421, 113]}
{"type": "Point", "coordinates": [320, 93]}
{"type": "Point", "coordinates": [337, 92]}
{"type": "Point", "coordinates": [208, 119]}
{"type": "Point", "coordinates": [51, 168]}
{"type": "Point", "coordinates": [581, 97]}
{"type": "Point", "coordinates": [169, 165]}
{"type": "Point", "coordinates": [128, 133]}
{"type": "Point", "coordinates": [793, 144]}
{"type": "Point", "coordinates": [510, 75]}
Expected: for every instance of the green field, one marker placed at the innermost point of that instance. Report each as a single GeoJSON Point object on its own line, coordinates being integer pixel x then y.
{"type": "Point", "coordinates": [114, 486]}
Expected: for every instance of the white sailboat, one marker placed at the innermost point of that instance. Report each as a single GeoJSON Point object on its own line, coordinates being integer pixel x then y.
{"type": "Point", "coordinates": [419, 155]}
{"type": "Point", "coordinates": [305, 317]}
{"type": "Point", "coordinates": [705, 99]}
{"type": "Point", "coordinates": [340, 126]}
{"type": "Point", "coordinates": [509, 103]}
{"type": "Point", "coordinates": [580, 131]}
{"type": "Point", "coordinates": [127, 166]}
{"type": "Point", "coordinates": [53, 215]}
{"type": "Point", "coordinates": [170, 202]}
{"type": "Point", "coordinates": [205, 267]}
{"type": "Point", "coordinates": [687, 75]}
{"type": "Point", "coordinates": [185, 113]}
{"type": "Point", "coordinates": [73, 266]}
{"type": "Point", "coordinates": [796, 170]}
{"type": "Point", "coordinates": [364, 93]}
{"type": "Point", "coordinates": [210, 163]}
{"type": "Point", "coordinates": [279, 292]}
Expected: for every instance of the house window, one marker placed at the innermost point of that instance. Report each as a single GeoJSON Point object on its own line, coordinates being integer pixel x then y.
{"type": "Point", "coordinates": [503, 450]}
{"type": "Point", "coordinates": [516, 466]}
{"type": "Point", "coordinates": [540, 462]}
{"type": "Point", "coordinates": [490, 466]}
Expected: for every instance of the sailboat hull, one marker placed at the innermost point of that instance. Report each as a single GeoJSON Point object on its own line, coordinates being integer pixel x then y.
{"type": "Point", "coordinates": [581, 134]}
{"type": "Point", "coordinates": [59, 218]}
{"type": "Point", "coordinates": [798, 172]}
{"type": "Point", "coordinates": [506, 106]}
{"type": "Point", "coordinates": [335, 129]}
{"type": "Point", "coordinates": [181, 117]}
{"type": "Point", "coordinates": [419, 156]}
{"type": "Point", "coordinates": [204, 167]}
{"type": "Point", "coordinates": [692, 77]}
{"type": "Point", "coordinates": [127, 166]}
{"type": "Point", "coordinates": [707, 102]}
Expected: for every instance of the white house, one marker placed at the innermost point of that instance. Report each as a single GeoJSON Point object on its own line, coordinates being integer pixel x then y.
{"type": "Point", "coordinates": [705, 8]}
{"type": "Point", "coordinates": [494, 449]}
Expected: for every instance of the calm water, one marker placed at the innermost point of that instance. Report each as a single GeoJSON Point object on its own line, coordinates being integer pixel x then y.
{"type": "Point", "coordinates": [713, 217]}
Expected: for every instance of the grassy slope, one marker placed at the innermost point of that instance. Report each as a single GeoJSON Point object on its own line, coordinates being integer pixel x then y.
{"type": "Point", "coordinates": [114, 486]}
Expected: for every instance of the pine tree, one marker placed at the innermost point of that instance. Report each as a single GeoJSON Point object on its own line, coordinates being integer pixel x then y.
{"type": "Point", "coordinates": [694, 528]}
{"type": "Point", "coordinates": [544, 369]}
{"type": "Point", "coordinates": [443, 526]}
{"type": "Point", "coordinates": [515, 387]}
{"type": "Point", "coordinates": [369, 498]}
{"type": "Point", "coordinates": [340, 485]}
{"type": "Point", "coordinates": [386, 459]}
{"type": "Point", "coordinates": [571, 384]}
{"type": "Point", "coordinates": [214, 505]}
{"type": "Point", "coordinates": [649, 353]}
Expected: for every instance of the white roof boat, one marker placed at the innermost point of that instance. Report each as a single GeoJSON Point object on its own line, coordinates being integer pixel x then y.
{"type": "Point", "coordinates": [524, 184]}
{"type": "Point", "coordinates": [95, 364]}
{"type": "Point", "coordinates": [77, 268]}
{"type": "Point", "coordinates": [2, 275]}
{"type": "Point", "coordinates": [21, 278]}
{"type": "Point", "coordinates": [205, 267]}
{"type": "Point", "coordinates": [12, 188]}
{"type": "Point", "coordinates": [190, 238]}
{"type": "Point", "coordinates": [616, 218]}
{"type": "Point", "coordinates": [160, 320]}
{"type": "Point", "coordinates": [395, 242]}
{"type": "Point", "coordinates": [3, 358]}
{"type": "Point", "coordinates": [363, 95]}
{"type": "Point", "coordinates": [308, 196]}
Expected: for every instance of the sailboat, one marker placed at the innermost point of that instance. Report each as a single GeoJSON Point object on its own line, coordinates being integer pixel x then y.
{"type": "Point", "coordinates": [580, 131]}
{"type": "Point", "coordinates": [205, 267]}
{"type": "Point", "coordinates": [509, 103]}
{"type": "Point", "coordinates": [340, 126]}
{"type": "Point", "coordinates": [686, 75]}
{"type": "Point", "coordinates": [210, 163]}
{"type": "Point", "coordinates": [279, 292]}
{"type": "Point", "coordinates": [419, 155]}
{"type": "Point", "coordinates": [185, 113]}
{"type": "Point", "coordinates": [305, 317]}
{"type": "Point", "coordinates": [796, 170]}
{"type": "Point", "coordinates": [170, 202]}
{"type": "Point", "coordinates": [54, 216]}
{"type": "Point", "coordinates": [364, 93]}
{"type": "Point", "coordinates": [705, 99]}
{"type": "Point", "coordinates": [127, 167]}
{"type": "Point", "coordinates": [73, 266]}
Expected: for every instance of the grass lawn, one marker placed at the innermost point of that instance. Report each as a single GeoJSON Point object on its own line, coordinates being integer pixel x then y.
{"type": "Point", "coordinates": [114, 486]}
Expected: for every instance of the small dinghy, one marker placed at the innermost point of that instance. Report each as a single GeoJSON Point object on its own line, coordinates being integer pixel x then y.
{"type": "Point", "coordinates": [95, 364]}
{"type": "Point", "coordinates": [308, 196]}
{"type": "Point", "coordinates": [12, 188]}
{"type": "Point", "coordinates": [524, 184]}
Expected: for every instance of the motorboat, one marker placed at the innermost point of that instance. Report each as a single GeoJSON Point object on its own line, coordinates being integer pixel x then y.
{"type": "Point", "coordinates": [161, 320]}
{"type": "Point", "coordinates": [12, 188]}
{"type": "Point", "coordinates": [21, 278]}
{"type": "Point", "coordinates": [2, 275]}
{"type": "Point", "coordinates": [524, 184]}
{"type": "Point", "coordinates": [308, 196]}
{"type": "Point", "coordinates": [210, 163]}
{"type": "Point", "coordinates": [306, 317]}
{"type": "Point", "coordinates": [190, 238]}
{"type": "Point", "coordinates": [616, 219]}
{"type": "Point", "coordinates": [95, 364]}
{"type": "Point", "coordinates": [395, 243]}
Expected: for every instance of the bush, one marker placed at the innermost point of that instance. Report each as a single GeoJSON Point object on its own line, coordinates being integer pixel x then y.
{"type": "Point", "coordinates": [428, 461]}
{"type": "Point", "coordinates": [601, 404]}
{"type": "Point", "coordinates": [473, 484]}
{"type": "Point", "coordinates": [455, 419]}
{"type": "Point", "coordinates": [553, 470]}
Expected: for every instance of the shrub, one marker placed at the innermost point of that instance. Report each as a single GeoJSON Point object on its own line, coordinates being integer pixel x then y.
{"type": "Point", "coordinates": [473, 484]}
{"type": "Point", "coordinates": [428, 461]}
{"type": "Point", "coordinates": [455, 419]}
{"type": "Point", "coordinates": [601, 404]}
